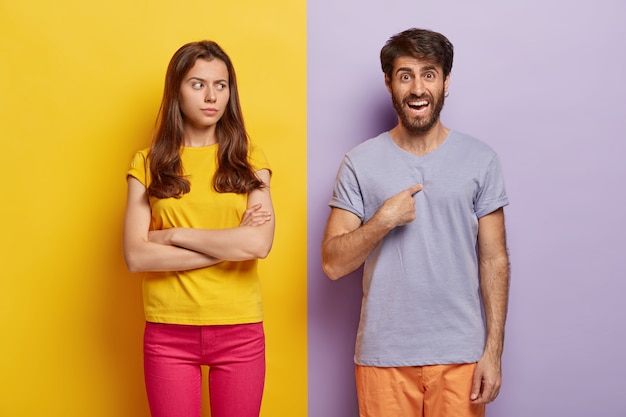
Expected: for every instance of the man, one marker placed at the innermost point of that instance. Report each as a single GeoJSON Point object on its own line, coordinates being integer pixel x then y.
{"type": "Point", "coordinates": [422, 207]}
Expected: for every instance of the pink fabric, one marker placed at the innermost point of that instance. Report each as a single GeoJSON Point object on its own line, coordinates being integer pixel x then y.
{"type": "Point", "coordinates": [235, 355]}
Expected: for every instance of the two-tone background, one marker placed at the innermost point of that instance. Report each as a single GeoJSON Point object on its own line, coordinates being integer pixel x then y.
{"type": "Point", "coordinates": [80, 83]}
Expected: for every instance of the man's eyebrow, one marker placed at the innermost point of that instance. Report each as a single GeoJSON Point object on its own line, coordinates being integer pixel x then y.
{"type": "Point", "coordinates": [429, 68]}
{"type": "Point", "coordinates": [422, 69]}
{"type": "Point", "coordinates": [404, 69]}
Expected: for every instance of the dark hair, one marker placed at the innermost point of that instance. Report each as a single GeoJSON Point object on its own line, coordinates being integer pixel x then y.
{"type": "Point", "coordinates": [234, 173]}
{"type": "Point", "coordinates": [420, 44]}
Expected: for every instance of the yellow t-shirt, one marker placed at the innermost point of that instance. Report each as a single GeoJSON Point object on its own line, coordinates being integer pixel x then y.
{"type": "Point", "coordinates": [226, 293]}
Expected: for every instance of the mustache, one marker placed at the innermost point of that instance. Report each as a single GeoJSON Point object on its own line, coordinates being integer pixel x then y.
{"type": "Point", "coordinates": [413, 97]}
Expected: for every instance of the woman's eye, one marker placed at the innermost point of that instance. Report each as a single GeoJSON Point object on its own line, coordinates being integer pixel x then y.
{"type": "Point", "coordinates": [221, 86]}
{"type": "Point", "coordinates": [196, 85]}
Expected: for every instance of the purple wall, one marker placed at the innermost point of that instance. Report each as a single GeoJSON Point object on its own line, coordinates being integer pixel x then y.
{"type": "Point", "coordinates": [543, 83]}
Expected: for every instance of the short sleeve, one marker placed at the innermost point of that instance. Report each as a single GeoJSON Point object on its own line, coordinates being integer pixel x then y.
{"type": "Point", "coordinates": [347, 192]}
{"type": "Point", "coordinates": [257, 158]}
{"type": "Point", "coordinates": [492, 194]}
{"type": "Point", "coordinates": [139, 167]}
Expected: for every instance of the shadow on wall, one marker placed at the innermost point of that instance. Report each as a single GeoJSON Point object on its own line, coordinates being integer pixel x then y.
{"type": "Point", "coordinates": [121, 329]}
{"type": "Point", "coordinates": [383, 117]}
{"type": "Point", "coordinates": [334, 306]}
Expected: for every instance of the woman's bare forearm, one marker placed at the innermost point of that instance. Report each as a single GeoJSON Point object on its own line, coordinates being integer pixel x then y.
{"type": "Point", "coordinates": [234, 244]}
{"type": "Point", "coordinates": [148, 256]}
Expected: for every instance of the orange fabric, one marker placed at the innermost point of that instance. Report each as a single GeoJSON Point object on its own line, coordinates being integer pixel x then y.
{"type": "Point", "coordinates": [417, 391]}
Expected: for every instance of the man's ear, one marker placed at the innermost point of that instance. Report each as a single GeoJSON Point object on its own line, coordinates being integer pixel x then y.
{"type": "Point", "coordinates": [446, 83]}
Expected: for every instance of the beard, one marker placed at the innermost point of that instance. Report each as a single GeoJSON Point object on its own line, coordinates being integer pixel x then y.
{"type": "Point", "coordinates": [420, 124]}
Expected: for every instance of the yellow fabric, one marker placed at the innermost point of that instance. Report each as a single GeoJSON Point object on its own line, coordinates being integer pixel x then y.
{"type": "Point", "coordinates": [226, 293]}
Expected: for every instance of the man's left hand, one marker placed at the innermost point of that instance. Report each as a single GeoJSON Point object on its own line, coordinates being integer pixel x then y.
{"type": "Point", "coordinates": [487, 380]}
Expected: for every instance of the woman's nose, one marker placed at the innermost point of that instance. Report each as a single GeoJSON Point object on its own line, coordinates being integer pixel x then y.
{"type": "Point", "coordinates": [210, 96]}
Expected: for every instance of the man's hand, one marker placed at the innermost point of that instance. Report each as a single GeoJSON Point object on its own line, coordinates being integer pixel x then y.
{"type": "Point", "coordinates": [348, 242]}
{"type": "Point", "coordinates": [399, 209]}
{"type": "Point", "coordinates": [487, 380]}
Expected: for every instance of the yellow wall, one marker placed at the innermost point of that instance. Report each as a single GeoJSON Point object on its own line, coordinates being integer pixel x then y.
{"type": "Point", "coordinates": [80, 85]}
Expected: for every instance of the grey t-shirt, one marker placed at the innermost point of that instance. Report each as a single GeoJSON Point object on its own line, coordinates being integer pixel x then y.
{"type": "Point", "coordinates": [421, 302]}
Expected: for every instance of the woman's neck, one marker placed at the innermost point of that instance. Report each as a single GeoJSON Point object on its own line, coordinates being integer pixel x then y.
{"type": "Point", "coordinates": [199, 137]}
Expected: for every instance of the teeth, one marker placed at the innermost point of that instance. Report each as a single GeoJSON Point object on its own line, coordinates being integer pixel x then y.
{"type": "Point", "coordinates": [418, 103]}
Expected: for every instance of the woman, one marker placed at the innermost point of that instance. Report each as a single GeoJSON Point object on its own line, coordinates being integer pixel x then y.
{"type": "Point", "coordinates": [199, 215]}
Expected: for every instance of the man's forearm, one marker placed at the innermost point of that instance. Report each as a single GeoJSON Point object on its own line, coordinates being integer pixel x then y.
{"type": "Point", "coordinates": [345, 253]}
{"type": "Point", "coordinates": [495, 292]}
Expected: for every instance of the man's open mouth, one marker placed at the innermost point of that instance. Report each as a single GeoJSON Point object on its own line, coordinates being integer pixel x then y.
{"type": "Point", "coordinates": [418, 105]}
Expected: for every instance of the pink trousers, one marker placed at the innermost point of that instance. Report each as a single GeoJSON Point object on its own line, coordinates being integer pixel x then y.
{"type": "Point", "coordinates": [235, 355]}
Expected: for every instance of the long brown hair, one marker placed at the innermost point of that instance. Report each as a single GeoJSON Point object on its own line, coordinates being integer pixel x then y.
{"type": "Point", "coordinates": [234, 173]}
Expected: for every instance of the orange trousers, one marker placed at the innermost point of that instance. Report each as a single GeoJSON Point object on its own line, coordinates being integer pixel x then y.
{"type": "Point", "coordinates": [417, 391]}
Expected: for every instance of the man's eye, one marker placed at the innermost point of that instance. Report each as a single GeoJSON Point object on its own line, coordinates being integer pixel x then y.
{"type": "Point", "coordinates": [405, 77]}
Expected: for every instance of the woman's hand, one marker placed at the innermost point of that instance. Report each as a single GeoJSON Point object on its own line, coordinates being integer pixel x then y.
{"type": "Point", "coordinates": [162, 237]}
{"type": "Point", "coordinates": [254, 216]}
{"type": "Point", "coordinates": [251, 239]}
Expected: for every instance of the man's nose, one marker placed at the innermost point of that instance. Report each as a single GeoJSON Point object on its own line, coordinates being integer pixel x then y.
{"type": "Point", "coordinates": [417, 87]}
